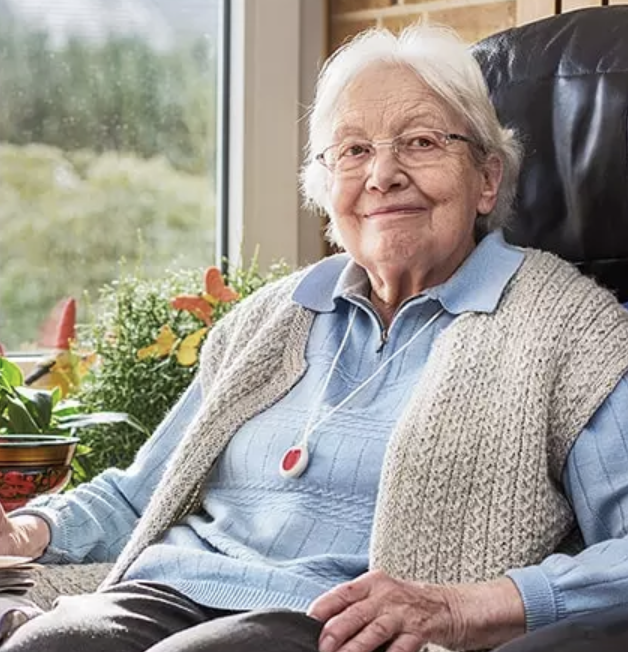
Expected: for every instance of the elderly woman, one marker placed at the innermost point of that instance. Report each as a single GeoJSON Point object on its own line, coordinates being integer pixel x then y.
{"type": "Point", "coordinates": [392, 449]}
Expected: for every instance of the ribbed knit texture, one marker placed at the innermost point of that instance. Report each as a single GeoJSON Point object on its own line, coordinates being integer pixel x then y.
{"type": "Point", "coordinates": [469, 484]}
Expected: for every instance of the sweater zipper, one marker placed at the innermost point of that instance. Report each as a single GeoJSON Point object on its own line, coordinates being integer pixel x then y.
{"type": "Point", "coordinates": [383, 331]}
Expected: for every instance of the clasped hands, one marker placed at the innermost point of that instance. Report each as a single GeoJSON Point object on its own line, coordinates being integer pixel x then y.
{"type": "Point", "coordinates": [378, 610]}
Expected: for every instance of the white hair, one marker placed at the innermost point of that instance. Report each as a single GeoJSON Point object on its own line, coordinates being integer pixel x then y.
{"type": "Point", "coordinates": [444, 63]}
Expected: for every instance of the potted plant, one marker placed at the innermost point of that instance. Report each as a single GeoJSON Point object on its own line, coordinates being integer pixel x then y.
{"type": "Point", "coordinates": [38, 446]}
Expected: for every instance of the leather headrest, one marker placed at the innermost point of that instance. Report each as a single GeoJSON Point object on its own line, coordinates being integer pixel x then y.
{"type": "Point", "coordinates": [562, 84]}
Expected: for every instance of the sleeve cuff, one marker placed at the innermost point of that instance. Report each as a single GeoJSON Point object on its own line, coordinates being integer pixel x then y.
{"type": "Point", "coordinates": [56, 552]}
{"type": "Point", "coordinates": [543, 605]}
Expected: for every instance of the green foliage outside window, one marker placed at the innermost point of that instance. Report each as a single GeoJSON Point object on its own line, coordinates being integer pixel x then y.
{"type": "Point", "coordinates": [66, 220]}
{"type": "Point", "coordinates": [106, 152]}
{"type": "Point", "coordinates": [120, 95]}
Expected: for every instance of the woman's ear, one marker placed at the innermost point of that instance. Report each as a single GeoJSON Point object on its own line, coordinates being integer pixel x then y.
{"type": "Point", "coordinates": [491, 177]}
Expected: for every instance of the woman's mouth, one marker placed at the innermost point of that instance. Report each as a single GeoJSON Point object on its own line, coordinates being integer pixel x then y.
{"type": "Point", "coordinates": [396, 209]}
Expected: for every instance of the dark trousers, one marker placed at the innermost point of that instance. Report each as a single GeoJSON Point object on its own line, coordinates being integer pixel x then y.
{"type": "Point", "coordinates": [605, 631]}
{"type": "Point", "coordinates": [145, 617]}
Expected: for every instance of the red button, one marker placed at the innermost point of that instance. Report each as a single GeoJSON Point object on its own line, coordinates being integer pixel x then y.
{"type": "Point", "coordinates": [291, 459]}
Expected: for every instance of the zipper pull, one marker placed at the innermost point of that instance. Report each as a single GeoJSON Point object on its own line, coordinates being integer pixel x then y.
{"type": "Point", "coordinates": [382, 341]}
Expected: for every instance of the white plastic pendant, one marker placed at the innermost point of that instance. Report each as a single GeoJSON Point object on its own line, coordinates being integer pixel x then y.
{"type": "Point", "coordinates": [294, 461]}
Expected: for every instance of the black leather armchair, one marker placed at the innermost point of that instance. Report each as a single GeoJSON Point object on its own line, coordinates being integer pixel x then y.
{"type": "Point", "coordinates": [562, 84]}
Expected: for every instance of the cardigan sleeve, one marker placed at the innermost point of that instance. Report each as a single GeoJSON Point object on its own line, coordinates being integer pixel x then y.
{"type": "Point", "coordinates": [595, 479]}
{"type": "Point", "coordinates": [94, 521]}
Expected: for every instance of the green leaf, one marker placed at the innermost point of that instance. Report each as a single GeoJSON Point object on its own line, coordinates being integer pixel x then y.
{"type": "Point", "coordinates": [82, 450]}
{"type": "Point", "coordinates": [10, 374]}
{"type": "Point", "coordinates": [20, 420]}
{"type": "Point", "coordinates": [100, 418]}
{"type": "Point", "coordinates": [68, 407]}
{"type": "Point", "coordinates": [81, 466]}
{"type": "Point", "coordinates": [39, 403]}
{"type": "Point", "coordinates": [56, 396]}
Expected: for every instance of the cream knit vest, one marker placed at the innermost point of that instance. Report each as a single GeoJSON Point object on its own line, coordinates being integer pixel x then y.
{"type": "Point", "coordinates": [471, 479]}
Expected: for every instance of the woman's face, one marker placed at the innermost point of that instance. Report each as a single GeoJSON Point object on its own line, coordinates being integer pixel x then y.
{"type": "Point", "coordinates": [394, 217]}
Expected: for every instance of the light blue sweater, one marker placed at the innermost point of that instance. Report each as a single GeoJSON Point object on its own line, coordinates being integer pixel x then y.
{"type": "Point", "coordinates": [264, 541]}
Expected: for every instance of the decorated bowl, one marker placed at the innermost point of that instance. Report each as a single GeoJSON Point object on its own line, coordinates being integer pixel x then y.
{"type": "Point", "coordinates": [31, 465]}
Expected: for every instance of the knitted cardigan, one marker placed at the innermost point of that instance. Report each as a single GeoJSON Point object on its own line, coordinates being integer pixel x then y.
{"type": "Point", "coordinates": [470, 484]}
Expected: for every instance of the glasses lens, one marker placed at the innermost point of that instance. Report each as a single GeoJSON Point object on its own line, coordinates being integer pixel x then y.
{"type": "Point", "coordinates": [353, 154]}
{"type": "Point", "coordinates": [419, 147]}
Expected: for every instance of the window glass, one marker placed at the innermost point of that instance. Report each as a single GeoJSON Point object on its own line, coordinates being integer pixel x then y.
{"type": "Point", "coordinates": [107, 147]}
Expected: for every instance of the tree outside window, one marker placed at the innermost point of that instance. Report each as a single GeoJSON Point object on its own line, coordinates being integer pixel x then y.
{"type": "Point", "coordinates": [107, 147]}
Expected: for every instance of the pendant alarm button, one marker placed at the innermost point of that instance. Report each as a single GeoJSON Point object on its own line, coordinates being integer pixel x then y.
{"type": "Point", "coordinates": [294, 462]}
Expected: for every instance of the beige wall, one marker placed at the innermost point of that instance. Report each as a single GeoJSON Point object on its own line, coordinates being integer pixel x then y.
{"type": "Point", "coordinates": [472, 19]}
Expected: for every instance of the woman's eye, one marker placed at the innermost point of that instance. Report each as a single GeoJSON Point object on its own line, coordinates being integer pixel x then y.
{"type": "Point", "coordinates": [420, 142]}
{"type": "Point", "coordinates": [353, 150]}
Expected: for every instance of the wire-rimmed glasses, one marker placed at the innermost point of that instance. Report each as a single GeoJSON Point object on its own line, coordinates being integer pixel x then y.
{"type": "Point", "coordinates": [411, 149]}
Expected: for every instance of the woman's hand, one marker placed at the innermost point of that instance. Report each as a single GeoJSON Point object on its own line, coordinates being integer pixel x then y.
{"type": "Point", "coordinates": [377, 609]}
{"type": "Point", "coordinates": [24, 536]}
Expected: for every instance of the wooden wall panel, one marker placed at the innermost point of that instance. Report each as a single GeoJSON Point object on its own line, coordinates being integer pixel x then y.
{"type": "Point", "coordinates": [570, 5]}
{"type": "Point", "coordinates": [531, 10]}
{"type": "Point", "coordinates": [472, 19]}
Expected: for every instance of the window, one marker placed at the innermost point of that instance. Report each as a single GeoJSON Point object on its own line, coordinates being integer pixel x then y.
{"type": "Point", "coordinates": [108, 147]}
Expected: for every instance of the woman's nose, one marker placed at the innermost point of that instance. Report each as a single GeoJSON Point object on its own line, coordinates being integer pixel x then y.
{"type": "Point", "coordinates": [384, 172]}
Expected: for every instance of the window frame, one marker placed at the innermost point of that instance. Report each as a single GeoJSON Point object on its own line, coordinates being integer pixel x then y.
{"type": "Point", "coordinates": [275, 49]}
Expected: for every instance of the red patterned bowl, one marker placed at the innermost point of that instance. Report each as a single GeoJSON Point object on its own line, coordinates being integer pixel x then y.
{"type": "Point", "coordinates": [31, 465]}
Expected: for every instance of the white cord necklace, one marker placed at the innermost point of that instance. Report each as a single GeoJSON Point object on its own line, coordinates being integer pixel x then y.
{"type": "Point", "coordinates": [296, 459]}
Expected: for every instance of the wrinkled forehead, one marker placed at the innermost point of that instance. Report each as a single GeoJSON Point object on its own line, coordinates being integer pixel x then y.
{"type": "Point", "coordinates": [386, 99]}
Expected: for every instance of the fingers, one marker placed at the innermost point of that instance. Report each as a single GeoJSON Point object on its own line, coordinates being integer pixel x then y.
{"type": "Point", "coordinates": [348, 624]}
{"type": "Point", "coordinates": [338, 599]}
{"type": "Point", "coordinates": [383, 631]}
{"type": "Point", "coordinates": [348, 635]}
{"type": "Point", "coordinates": [406, 643]}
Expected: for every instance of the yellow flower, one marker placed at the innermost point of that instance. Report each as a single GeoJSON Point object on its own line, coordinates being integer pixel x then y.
{"type": "Point", "coordinates": [167, 342]}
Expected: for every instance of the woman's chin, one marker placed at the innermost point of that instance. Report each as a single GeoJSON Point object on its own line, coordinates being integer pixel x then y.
{"type": "Point", "coordinates": [397, 255]}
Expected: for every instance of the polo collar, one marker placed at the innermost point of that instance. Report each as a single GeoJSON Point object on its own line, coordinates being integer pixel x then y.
{"type": "Point", "coordinates": [476, 286]}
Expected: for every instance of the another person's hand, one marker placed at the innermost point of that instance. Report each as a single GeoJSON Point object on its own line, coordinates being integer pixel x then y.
{"type": "Point", "coordinates": [377, 609]}
{"type": "Point", "coordinates": [24, 536]}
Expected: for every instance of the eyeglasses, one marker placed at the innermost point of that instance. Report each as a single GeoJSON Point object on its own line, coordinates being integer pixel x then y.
{"type": "Point", "coordinates": [411, 149]}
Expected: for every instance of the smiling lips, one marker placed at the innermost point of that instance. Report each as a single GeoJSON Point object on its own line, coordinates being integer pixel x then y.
{"type": "Point", "coordinates": [395, 209]}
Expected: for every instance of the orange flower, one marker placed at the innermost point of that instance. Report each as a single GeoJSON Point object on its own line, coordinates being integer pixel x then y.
{"type": "Point", "coordinates": [215, 288]}
{"type": "Point", "coordinates": [198, 306]}
{"type": "Point", "coordinates": [202, 305]}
